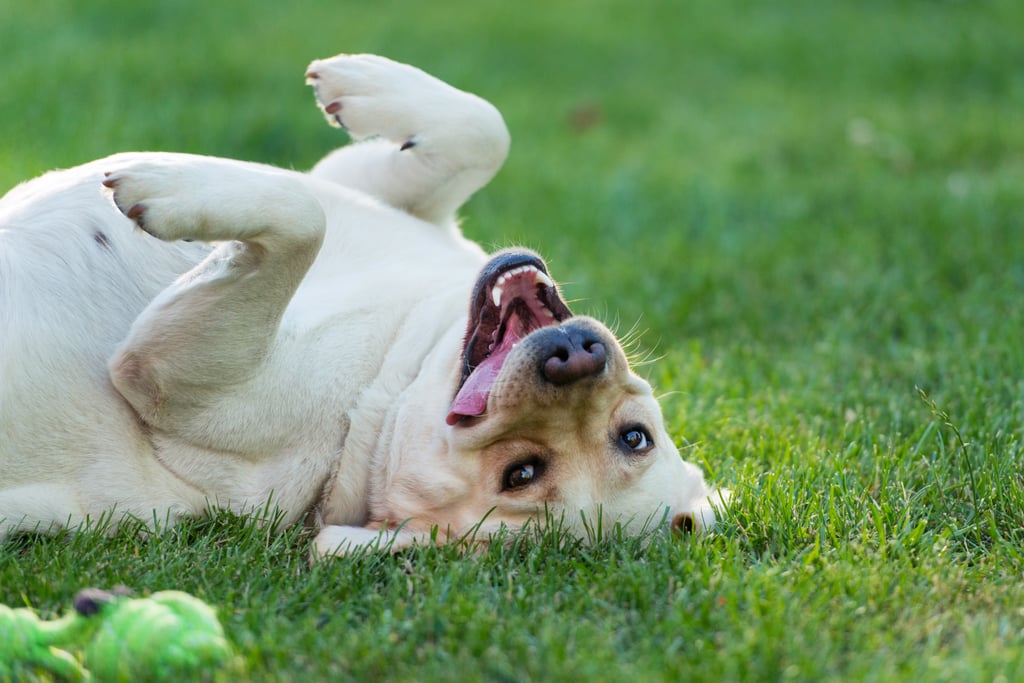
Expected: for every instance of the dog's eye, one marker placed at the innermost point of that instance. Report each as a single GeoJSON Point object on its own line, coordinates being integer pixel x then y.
{"type": "Point", "coordinates": [636, 440]}
{"type": "Point", "coordinates": [521, 474]}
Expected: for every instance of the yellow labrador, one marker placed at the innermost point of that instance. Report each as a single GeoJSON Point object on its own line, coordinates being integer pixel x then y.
{"type": "Point", "coordinates": [328, 342]}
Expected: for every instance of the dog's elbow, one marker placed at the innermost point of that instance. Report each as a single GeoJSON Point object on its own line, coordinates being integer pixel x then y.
{"type": "Point", "coordinates": [135, 379]}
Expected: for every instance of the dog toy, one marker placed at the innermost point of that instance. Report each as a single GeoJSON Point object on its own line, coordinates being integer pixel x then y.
{"type": "Point", "coordinates": [168, 636]}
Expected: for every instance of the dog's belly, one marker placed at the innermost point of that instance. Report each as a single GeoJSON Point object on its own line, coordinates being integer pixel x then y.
{"type": "Point", "coordinates": [73, 276]}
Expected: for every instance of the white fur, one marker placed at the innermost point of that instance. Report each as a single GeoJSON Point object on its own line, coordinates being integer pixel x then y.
{"type": "Point", "coordinates": [302, 346]}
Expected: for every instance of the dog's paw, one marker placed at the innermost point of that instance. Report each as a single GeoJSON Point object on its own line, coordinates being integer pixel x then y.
{"type": "Point", "coordinates": [338, 541]}
{"type": "Point", "coordinates": [158, 197]}
{"type": "Point", "coordinates": [372, 96]}
{"type": "Point", "coordinates": [185, 197]}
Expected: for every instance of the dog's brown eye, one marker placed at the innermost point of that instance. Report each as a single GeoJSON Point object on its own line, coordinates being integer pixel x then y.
{"type": "Point", "coordinates": [636, 440]}
{"type": "Point", "coordinates": [521, 474]}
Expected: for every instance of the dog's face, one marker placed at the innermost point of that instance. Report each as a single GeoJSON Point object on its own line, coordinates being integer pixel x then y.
{"type": "Point", "coordinates": [547, 421]}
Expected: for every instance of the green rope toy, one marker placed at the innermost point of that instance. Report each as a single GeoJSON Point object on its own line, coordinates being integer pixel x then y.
{"type": "Point", "coordinates": [167, 636]}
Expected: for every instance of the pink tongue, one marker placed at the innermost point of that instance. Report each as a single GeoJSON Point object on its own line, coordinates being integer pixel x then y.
{"type": "Point", "coordinates": [472, 397]}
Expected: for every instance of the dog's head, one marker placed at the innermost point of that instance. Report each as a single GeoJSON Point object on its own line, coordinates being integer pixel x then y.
{"type": "Point", "coordinates": [545, 419]}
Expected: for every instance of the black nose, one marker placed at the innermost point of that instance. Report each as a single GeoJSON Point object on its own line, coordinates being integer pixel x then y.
{"type": "Point", "coordinates": [570, 354]}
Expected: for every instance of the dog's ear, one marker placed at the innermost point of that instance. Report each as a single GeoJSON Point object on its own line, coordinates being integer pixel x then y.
{"type": "Point", "coordinates": [708, 509]}
{"type": "Point", "coordinates": [337, 541]}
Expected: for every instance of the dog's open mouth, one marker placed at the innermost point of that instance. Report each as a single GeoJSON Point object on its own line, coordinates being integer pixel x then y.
{"type": "Point", "coordinates": [513, 297]}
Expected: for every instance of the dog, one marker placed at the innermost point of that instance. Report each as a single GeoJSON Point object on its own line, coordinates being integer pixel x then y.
{"type": "Point", "coordinates": [182, 332]}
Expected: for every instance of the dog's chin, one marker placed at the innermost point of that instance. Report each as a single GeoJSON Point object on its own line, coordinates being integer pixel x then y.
{"type": "Point", "coordinates": [513, 298]}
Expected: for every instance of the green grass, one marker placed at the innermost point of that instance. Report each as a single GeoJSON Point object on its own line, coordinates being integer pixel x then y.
{"type": "Point", "coordinates": [810, 211]}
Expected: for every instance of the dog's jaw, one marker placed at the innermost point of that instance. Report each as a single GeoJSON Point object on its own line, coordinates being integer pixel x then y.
{"type": "Point", "coordinates": [514, 297]}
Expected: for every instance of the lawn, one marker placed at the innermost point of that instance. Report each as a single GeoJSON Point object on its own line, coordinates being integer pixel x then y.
{"type": "Point", "coordinates": [809, 216]}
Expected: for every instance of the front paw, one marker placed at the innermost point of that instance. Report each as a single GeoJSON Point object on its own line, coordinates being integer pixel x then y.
{"type": "Point", "coordinates": [339, 541]}
{"type": "Point", "coordinates": [149, 194]}
{"type": "Point", "coordinates": [186, 197]}
{"type": "Point", "coordinates": [373, 96]}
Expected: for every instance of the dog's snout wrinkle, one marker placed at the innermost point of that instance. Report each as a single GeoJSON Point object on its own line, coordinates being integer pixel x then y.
{"type": "Point", "coordinates": [571, 354]}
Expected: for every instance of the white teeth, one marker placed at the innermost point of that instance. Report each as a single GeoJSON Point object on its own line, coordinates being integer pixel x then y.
{"type": "Point", "coordinates": [538, 278]}
{"type": "Point", "coordinates": [549, 314]}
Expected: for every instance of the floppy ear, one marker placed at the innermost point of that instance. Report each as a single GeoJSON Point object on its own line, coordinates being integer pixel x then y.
{"type": "Point", "coordinates": [708, 510]}
{"type": "Point", "coordinates": [335, 541]}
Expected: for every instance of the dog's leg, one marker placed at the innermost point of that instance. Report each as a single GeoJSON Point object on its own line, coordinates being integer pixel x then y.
{"type": "Point", "coordinates": [438, 145]}
{"type": "Point", "coordinates": [213, 328]}
{"type": "Point", "coordinates": [337, 541]}
{"type": "Point", "coordinates": [37, 508]}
